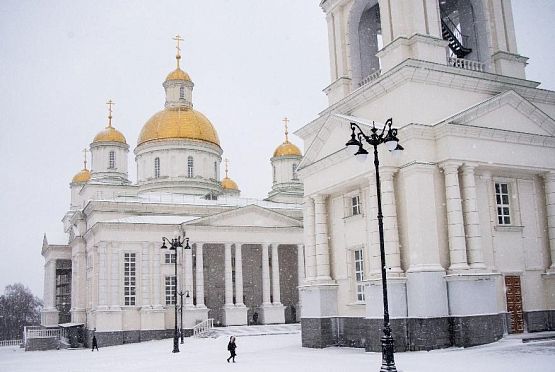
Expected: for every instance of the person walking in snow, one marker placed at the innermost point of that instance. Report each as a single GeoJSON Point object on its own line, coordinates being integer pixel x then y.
{"type": "Point", "coordinates": [231, 347]}
{"type": "Point", "coordinates": [94, 344]}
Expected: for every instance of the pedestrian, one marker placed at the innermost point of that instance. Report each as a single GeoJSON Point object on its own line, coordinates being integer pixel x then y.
{"type": "Point", "coordinates": [255, 318]}
{"type": "Point", "coordinates": [231, 347]}
{"type": "Point", "coordinates": [94, 344]}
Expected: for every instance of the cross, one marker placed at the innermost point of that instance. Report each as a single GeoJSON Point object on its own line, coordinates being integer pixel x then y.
{"type": "Point", "coordinates": [226, 161]}
{"type": "Point", "coordinates": [285, 120]}
{"type": "Point", "coordinates": [85, 153]}
{"type": "Point", "coordinates": [177, 38]}
{"type": "Point", "coordinates": [110, 103]}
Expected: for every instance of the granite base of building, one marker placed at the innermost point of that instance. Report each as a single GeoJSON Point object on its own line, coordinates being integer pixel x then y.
{"type": "Point", "coordinates": [410, 334]}
{"type": "Point", "coordinates": [128, 337]}
{"type": "Point", "coordinates": [538, 321]}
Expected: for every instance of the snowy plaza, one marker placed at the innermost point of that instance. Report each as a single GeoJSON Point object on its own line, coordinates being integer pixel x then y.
{"type": "Point", "coordinates": [270, 353]}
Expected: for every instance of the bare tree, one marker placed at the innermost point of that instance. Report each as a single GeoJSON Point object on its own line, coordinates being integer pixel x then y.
{"type": "Point", "coordinates": [18, 308]}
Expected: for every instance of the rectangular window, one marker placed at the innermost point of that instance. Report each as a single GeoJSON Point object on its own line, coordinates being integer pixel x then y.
{"type": "Point", "coordinates": [359, 274]}
{"type": "Point", "coordinates": [169, 258]}
{"type": "Point", "coordinates": [129, 279]}
{"type": "Point", "coordinates": [170, 290]}
{"type": "Point", "coordinates": [157, 168]}
{"type": "Point", "coordinates": [502, 202]}
{"type": "Point", "coordinates": [355, 205]}
{"type": "Point", "coordinates": [112, 160]}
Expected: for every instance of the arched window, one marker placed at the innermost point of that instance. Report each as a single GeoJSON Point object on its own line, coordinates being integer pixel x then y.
{"type": "Point", "coordinates": [181, 92]}
{"type": "Point", "coordinates": [295, 172]}
{"type": "Point", "coordinates": [370, 38]}
{"type": "Point", "coordinates": [111, 160]}
{"type": "Point", "coordinates": [215, 170]}
{"type": "Point", "coordinates": [157, 168]}
{"type": "Point", "coordinates": [274, 173]}
{"type": "Point", "coordinates": [190, 167]}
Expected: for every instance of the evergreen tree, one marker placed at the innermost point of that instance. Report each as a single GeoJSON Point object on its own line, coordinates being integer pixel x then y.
{"type": "Point", "coordinates": [18, 308]}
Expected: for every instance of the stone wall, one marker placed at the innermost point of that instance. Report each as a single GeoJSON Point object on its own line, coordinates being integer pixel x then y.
{"type": "Point", "coordinates": [289, 281]}
{"type": "Point", "coordinates": [41, 344]}
{"type": "Point", "coordinates": [409, 334]}
{"type": "Point", "coordinates": [538, 321]}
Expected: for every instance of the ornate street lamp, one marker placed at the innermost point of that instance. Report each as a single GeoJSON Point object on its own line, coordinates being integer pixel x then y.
{"type": "Point", "coordinates": [390, 139]}
{"type": "Point", "coordinates": [174, 244]}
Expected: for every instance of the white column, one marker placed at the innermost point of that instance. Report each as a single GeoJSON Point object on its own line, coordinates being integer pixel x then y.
{"type": "Point", "coordinates": [200, 276]}
{"type": "Point", "coordinates": [300, 264]}
{"type": "Point", "coordinates": [103, 283]}
{"type": "Point", "coordinates": [156, 276]}
{"type": "Point", "coordinates": [228, 276]}
{"type": "Point", "coordinates": [322, 249]}
{"type": "Point", "coordinates": [238, 275]}
{"type": "Point", "coordinates": [549, 182]}
{"type": "Point", "coordinates": [275, 275]}
{"type": "Point", "coordinates": [188, 282]}
{"type": "Point", "coordinates": [373, 245]}
{"type": "Point", "coordinates": [472, 219]}
{"type": "Point", "coordinates": [265, 275]}
{"type": "Point", "coordinates": [391, 232]}
{"type": "Point", "coordinates": [455, 224]}
{"type": "Point", "coordinates": [50, 284]}
{"type": "Point", "coordinates": [114, 292]}
{"type": "Point", "coordinates": [309, 238]}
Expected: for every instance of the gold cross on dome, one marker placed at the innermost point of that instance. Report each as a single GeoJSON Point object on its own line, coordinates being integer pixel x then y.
{"type": "Point", "coordinates": [85, 156]}
{"type": "Point", "coordinates": [177, 38]}
{"type": "Point", "coordinates": [110, 103]}
{"type": "Point", "coordinates": [286, 121]}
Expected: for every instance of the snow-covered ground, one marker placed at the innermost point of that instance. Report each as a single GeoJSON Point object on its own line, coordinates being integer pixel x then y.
{"type": "Point", "coordinates": [278, 353]}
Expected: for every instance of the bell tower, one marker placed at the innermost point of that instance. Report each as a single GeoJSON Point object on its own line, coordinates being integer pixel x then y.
{"type": "Point", "coordinates": [368, 38]}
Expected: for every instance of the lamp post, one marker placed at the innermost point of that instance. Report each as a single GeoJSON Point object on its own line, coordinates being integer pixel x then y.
{"type": "Point", "coordinates": [174, 244]}
{"type": "Point", "coordinates": [390, 139]}
{"type": "Point", "coordinates": [181, 294]}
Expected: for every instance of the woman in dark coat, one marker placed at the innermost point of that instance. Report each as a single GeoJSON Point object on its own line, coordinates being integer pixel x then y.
{"type": "Point", "coordinates": [231, 347]}
{"type": "Point", "coordinates": [94, 343]}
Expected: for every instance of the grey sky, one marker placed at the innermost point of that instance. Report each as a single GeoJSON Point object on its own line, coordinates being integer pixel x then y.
{"type": "Point", "coordinates": [252, 62]}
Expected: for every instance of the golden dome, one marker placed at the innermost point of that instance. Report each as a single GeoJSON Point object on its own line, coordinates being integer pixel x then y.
{"type": "Point", "coordinates": [110, 134]}
{"type": "Point", "coordinates": [229, 184]}
{"type": "Point", "coordinates": [287, 148]}
{"type": "Point", "coordinates": [178, 123]}
{"type": "Point", "coordinates": [178, 74]}
{"type": "Point", "coordinates": [82, 177]}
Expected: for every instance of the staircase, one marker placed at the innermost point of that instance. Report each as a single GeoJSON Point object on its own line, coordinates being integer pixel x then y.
{"type": "Point", "coordinates": [253, 330]}
{"type": "Point", "coordinates": [452, 34]}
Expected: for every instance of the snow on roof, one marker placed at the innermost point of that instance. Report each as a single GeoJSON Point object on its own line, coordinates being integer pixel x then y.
{"type": "Point", "coordinates": [168, 198]}
{"type": "Point", "coordinates": [155, 219]}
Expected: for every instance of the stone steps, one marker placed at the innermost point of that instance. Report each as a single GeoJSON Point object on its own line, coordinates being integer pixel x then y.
{"type": "Point", "coordinates": [256, 330]}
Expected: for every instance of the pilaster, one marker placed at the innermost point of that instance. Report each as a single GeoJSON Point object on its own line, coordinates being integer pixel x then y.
{"type": "Point", "coordinates": [309, 238]}
{"type": "Point", "coordinates": [549, 185]}
{"type": "Point", "coordinates": [199, 275]}
{"type": "Point", "coordinates": [322, 248]}
{"type": "Point", "coordinates": [472, 219]}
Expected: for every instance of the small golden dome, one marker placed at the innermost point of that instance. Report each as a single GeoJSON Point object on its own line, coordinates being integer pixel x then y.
{"type": "Point", "coordinates": [287, 148]}
{"type": "Point", "coordinates": [178, 74]}
{"type": "Point", "coordinates": [82, 177]}
{"type": "Point", "coordinates": [178, 123]}
{"type": "Point", "coordinates": [110, 134]}
{"type": "Point", "coordinates": [229, 184]}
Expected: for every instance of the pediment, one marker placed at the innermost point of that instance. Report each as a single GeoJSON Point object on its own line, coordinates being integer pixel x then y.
{"type": "Point", "coordinates": [331, 137]}
{"type": "Point", "coordinates": [507, 111]}
{"type": "Point", "coordinates": [249, 216]}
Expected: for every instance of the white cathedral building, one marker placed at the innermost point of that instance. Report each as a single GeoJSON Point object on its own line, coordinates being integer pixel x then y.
{"type": "Point", "coordinates": [114, 278]}
{"type": "Point", "coordinates": [469, 205]}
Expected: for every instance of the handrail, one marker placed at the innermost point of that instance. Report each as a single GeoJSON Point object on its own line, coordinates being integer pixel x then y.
{"type": "Point", "coordinates": [203, 327]}
{"type": "Point", "coordinates": [463, 39]}
{"type": "Point", "coordinates": [466, 64]}
{"type": "Point", "coordinates": [10, 343]}
{"type": "Point", "coordinates": [41, 333]}
{"type": "Point", "coordinates": [369, 78]}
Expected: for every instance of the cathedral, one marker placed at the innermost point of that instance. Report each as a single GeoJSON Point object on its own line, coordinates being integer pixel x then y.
{"type": "Point", "coordinates": [468, 206]}
{"type": "Point", "coordinates": [243, 258]}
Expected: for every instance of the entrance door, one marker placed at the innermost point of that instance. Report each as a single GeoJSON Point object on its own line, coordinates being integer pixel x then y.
{"type": "Point", "coordinates": [514, 303]}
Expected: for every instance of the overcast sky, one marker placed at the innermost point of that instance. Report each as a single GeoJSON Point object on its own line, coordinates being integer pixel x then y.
{"type": "Point", "coordinates": [252, 62]}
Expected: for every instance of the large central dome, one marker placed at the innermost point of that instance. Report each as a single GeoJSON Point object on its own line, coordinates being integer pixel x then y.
{"type": "Point", "coordinates": [178, 123]}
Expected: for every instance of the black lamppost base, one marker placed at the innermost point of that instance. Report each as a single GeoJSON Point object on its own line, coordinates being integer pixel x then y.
{"type": "Point", "coordinates": [175, 345]}
{"type": "Point", "coordinates": [388, 348]}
